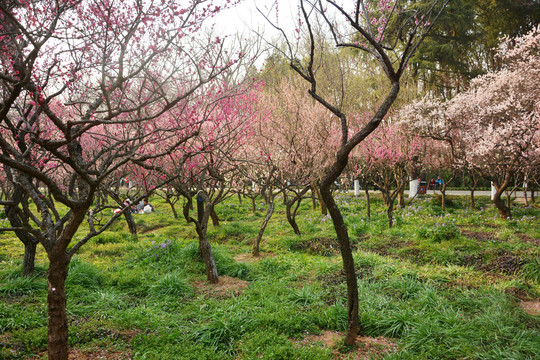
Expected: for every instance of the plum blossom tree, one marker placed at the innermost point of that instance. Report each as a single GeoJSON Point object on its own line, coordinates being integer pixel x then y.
{"type": "Point", "coordinates": [388, 153]}
{"type": "Point", "coordinates": [362, 27]}
{"type": "Point", "coordinates": [206, 167]}
{"type": "Point", "coordinates": [493, 127]}
{"type": "Point", "coordinates": [299, 140]}
{"type": "Point", "coordinates": [501, 114]}
{"type": "Point", "coordinates": [80, 72]}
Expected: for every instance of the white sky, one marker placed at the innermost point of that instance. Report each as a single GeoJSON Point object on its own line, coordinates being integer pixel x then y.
{"type": "Point", "coordinates": [244, 17]}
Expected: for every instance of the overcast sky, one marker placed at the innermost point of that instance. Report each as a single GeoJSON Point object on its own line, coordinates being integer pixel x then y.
{"type": "Point", "coordinates": [244, 17]}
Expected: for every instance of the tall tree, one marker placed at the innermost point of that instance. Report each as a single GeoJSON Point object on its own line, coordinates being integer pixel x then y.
{"type": "Point", "coordinates": [361, 26]}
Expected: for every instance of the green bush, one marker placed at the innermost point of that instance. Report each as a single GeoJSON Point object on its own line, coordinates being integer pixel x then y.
{"type": "Point", "coordinates": [174, 284]}
{"type": "Point", "coordinates": [34, 340]}
{"type": "Point", "coordinates": [84, 275]}
{"type": "Point", "coordinates": [531, 270]}
{"type": "Point", "coordinates": [22, 286]}
{"type": "Point", "coordinates": [444, 230]}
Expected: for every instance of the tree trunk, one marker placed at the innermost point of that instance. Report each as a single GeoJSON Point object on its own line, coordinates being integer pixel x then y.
{"type": "Point", "coordinates": [239, 198]}
{"type": "Point", "coordinates": [29, 258]}
{"type": "Point", "coordinates": [253, 207]}
{"type": "Point", "coordinates": [214, 216]}
{"type": "Point", "coordinates": [16, 219]}
{"type": "Point", "coordinates": [473, 204]}
{"type": "Point", "coordinates": [269, 213]}
{"type": "Point", "coordinates": [205, 249]}
{"type": "Point", "coordinates": [319, 197]}
{"type": "Point", "coordinates": [173, 209]}
{"type": "Point", "coordinates": [368, 203]}
{"type": "Point", "coordinates": [291, 214]}
{"type": "Point", "coordinates": [56, 299]}
{"type": "Point", "coordinates": [131, 223]}
{"type": "Point", "coordinates": [292, 219]}
{"type": "Point", "coordinates": [503, 209]}
{"type": "Point", "coordinates": [401, 198]}
{"type": "Point", "coordinates": [348, 261]}
{"type": "Point", "coordinates": [533, 201]}
{"type": "Point", "coordinates": [525, 197]}
{"type": "Point", "coordinates": [390, 213]}
{"type": "Point", "coordinates": [443, 199]}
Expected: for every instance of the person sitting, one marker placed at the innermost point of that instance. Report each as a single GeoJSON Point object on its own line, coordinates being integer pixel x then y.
{"type": "Point", "coordinates": [127, 203]}
{"type": "Point", "coordinates": [144, 207]}
{"type": "Point", "coordinates": [438, 183]}
{"type": "Point", "coordinates": [431, 185]}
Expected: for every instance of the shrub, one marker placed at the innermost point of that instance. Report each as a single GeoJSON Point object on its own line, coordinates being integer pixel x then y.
{"type": "Point", "coordinates": [21, 286]}
{"type": "Point", "coordinates": [173, 284]}
{"type": "Point", "coordinates": [33, 340]}
{"type": "Point", "coordinates": [84, 275]}
{"type": "Point", "coordinates": [531, 270]}
{"type": "Point", "coordinates": [445, 230]}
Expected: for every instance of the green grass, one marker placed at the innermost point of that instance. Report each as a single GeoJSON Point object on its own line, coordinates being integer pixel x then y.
{"type": "Point", "coordinates": [441, 285]}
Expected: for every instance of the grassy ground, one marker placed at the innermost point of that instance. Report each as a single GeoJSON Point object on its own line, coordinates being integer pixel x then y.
{"type": "Point", "coordinates": [436, 286]}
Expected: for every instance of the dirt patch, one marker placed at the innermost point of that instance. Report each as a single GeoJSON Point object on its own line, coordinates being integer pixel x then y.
{"type": "Point", "coordinates": [366, 347]}
{"type": "Point", "coordinates": [226, 288]}
{"type": "Point", "coordinates": [388, 247]}
{"type": "Point", "coordinates": [143, 229]}
{"type": "Point", "coordinates": [478, 236]}
{"type": "Point", "coordinates": [249, 258]}
{"type": "Point", "coordinates": [531, 307]}
{"type": "Point", "coordinates": [528, 239]}
{"type": "Point", "coordinates": [91, 354]}
{"type": "Point", "coordinates": [505, 263]}
{"type": "Point", "coordinates": [324, 246]}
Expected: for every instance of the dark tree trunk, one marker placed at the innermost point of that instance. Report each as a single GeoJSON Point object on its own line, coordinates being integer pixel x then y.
{"type": "Point", "coordinates": [204, 208]}
{"type": "Point", "coordinates": [16, 219]}
{"type": "Point", "coordinates": [239, 198]}
{"type": "Point", "coordinates": [175, 213]}
{"type": "Point", "coordinates": [214, 216]}
{"type": "Point", "coordinates": [269, 212]}
{"type": "Point", "coordinates": [368, 203]}
{"type": "Point", "coordinates": [29, 258]}
{"type": "Point", "coordinates": [200, 209]}
{"type": "Point", "coordinates": [503, 209]}
{"type": "Point", "coordinates": [348, 261]}
{"type": "Point", "coordinates": [253, 207]}
{"type": "Point", "coordinates": [291, 213]}
{"type": "Point", "coordinates": [401, 198]}
{"type": "Point", "coordinates": [56, 299]}
{"type": "Point", "coordinates": [443, 199]}
{"type": "Point", "coordinates": [291, 218]}
{"type": "Point", "coordinates": [131, 223]}
{"type": "Point", "coordinates": [321, 201]}
{"type": "Point", "coordinates": [473, 204]}
{"type": "Point", "coordinates": [390, 213]}
{"type": "Point", "coordinates": [533, 201]}
{"type": "Point", "coordinates": [205, 249]}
